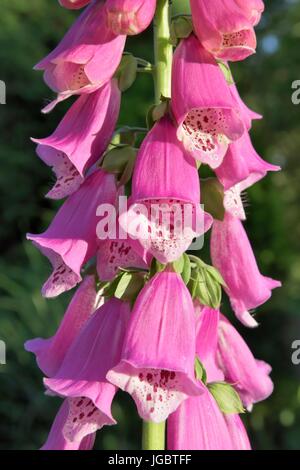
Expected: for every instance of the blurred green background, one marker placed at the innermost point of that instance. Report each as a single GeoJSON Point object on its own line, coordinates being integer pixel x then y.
{"type": "Point", "coordinates": [28, 30]}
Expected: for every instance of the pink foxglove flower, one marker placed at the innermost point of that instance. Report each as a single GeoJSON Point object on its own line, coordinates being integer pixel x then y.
{"type": "Point", "coordinates": [232, 255]}
{"type": "Point", "coordinates": [249, 376]}
{"type": "Point", "coordinates": [71, 240]}
{"type": "Point", "coordinates": [115, 254]}
{"type": "Point", "coordinates": [207, 115]}
{"type": "Point", "coordinates": [51, 352]}
{"type": "Point", "coordinates": [129, 16]}
{"type": "Point", "coordinates": [86, 58]}
{"type": "Point", "coordinates": [82, 374]}
{"type": "Point", "coordinates": [226, 27]}
{"type": "Point", "coordinates": [157, 360]}
{"type": "Point", "coordinates": [56, 439]}
{"type": "Point", "coordinates": [74, 4]}
{"type": "Point", "coordinates": [81, 138]}
{"type": "Point", "coordinates": [242, 166]}
{"type": "Point", "coordinates": [165, 213]}
{"type": "Point", "coordinates": [198, 423]}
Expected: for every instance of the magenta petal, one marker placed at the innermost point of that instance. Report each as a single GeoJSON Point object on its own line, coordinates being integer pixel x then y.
{"type": "Point", "coordinates": [232, 255]}
{"type": "Point", "coordinates": [242, 165]}
{"type": "Point", "coordinates": [207, 116]}
{"type": "Point", "coordinates": [207, 325]}
{"type": "Point", "coordinates": [56, 439]}
{"type": "Point", "coordinates": [115, 254]}
{"type": "Point", "coordinates": [129, 16]}
{"type": "Point", "coordinates": [198, 424]}
{"type": "Point", "coordinates": [82, 374]}
{"type": "Point", "coordinates": [247, 114]}
{"type": "Point", "coordinates": [249, 376]}
{"type": "Point", "coordinates": [237, 432]}
{"type": "Point", "coordinates": [71, 240]}
{"type": "Point", "coordinates": [165, 213]}
{"type": "Point", "coordinates": [225, 27]}
{"type": "Point", "coordinates": [81, 138]}
{"type": "Point", "coordinates": [157, 361]}
{"type": "Point", "coordinates": [51, 352]}
{"type": "Point", "coordinates": [86, 58]}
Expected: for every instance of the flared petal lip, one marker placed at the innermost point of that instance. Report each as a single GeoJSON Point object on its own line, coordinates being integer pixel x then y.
{"type": "Point", "coordinates": [45, 245]}
{"type": "Point", "coordinates": [48, 382]}
{"type": "Point", "coordinates": [46, 142]}
{"type": "Point", "coordinates": [235, 115]}
{"type": "Point", "coordinates": [194, 387]}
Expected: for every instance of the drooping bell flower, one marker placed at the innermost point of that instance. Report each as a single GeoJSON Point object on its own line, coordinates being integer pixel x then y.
{"type": "Point", "coordinates": [226, 27]}
{"type": "Point", "coordinates": [74, 4]}
{"type": "Point", "coordinates": [207, 322]}
{"type": "Point", "coordinates": [129, 16]}
{"type": "Point", "coordinates": [86, 58]}
{"type": "Point", "coordinates": [115, 254]}
{"type": "Point", "coordinates": [56, 439]}
{"type": "Point", "coordinates": [232, 255]}
{"type": "Point", "coordinates": [198, 423]}
{"type": "Point", "coordinates": [165, 212]}
{"type": "Point", "coordinates": [157, 360]}
{"type": "Point", "coordinates": [82, 374]}
{"type": "Point", "coordinates": [249, 376]}
{"type": "Point", "coordinates": [81, 138]}
{"type": "Point", "coordinates": [71, 239]}
{"type": "Point", "coordinates": [242, 166]}
{"type": "Point", "coordinates": [207, 116]}
{"type": "Point", "coordinates": [51, 352]}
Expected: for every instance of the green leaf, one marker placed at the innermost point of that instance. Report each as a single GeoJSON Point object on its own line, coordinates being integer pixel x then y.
{"type": "Point", "coordinates": [123, 284]}
{"type": "Point", "coordinates": [226, 72]}
{"type": "Point", "coordinates": [200, 372]}
{"type": "Point", "coordinates": [227, 397]}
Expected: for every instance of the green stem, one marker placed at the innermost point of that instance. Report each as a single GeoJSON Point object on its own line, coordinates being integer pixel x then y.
{"type": "Point", "coordinates": [153, 436]}
{"type": "Point", "coordinates": [163, 50]}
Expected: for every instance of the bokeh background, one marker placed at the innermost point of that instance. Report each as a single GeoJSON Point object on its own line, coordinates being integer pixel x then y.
{"type": "Point", "coordinates": [29, 30]}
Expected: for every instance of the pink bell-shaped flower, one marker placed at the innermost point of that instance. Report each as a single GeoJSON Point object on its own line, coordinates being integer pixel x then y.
{"type": "Point", "coordinates": [226, 27]}
{"type": "Point", "coordinates": [232, 255]}
{"type": "Point", "coordinates": [81, 376]}
{"type": "Point", "coordinates": [129, 16]}
{"type": "Point", "coordinates": [242, 166]}
{"type": "Point", "coordinates": [71, 239]}
{"type": "Point", "coordinates": [249, 376]}
{"type": "Point", "coordinates": [207, 115]}
{"type": "Point", "coordinates": [165, 212]}
{"type": "Point", "coordinates": [81, 138]}
{"type": "Point", "coordinates": [51, 352]}
{"type": "Point", "coordinates": [157, 360]}
{"type": "Point", "coordinates": [85, 59]}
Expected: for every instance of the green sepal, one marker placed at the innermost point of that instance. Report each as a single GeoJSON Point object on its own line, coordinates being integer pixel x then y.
{"type": "Point", "coordinates": [178, 265]}
{"type": "Point", "coordinates": [227, 397]}
{"type": "Point", "coordinates": [181, 28]}
{"type": "Point", "coordinates": [200, 372]}
{"type": "Point", "coordinates": [187, 269]}
{"type": "Point", "coordinates": [127, 71]}
{"type": "Point", "coordinates": [156, 112]}
{"type": "Point", "coordinates": [126, 286]}
{"type": "Point", "coordinates": [226, 72]}
{"type": "Point", "coordinates": [212, 197]}
{"type": "Point", "coordinates": [156, 267]}
{"type": "Point", "coordinates": [205, 283]}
